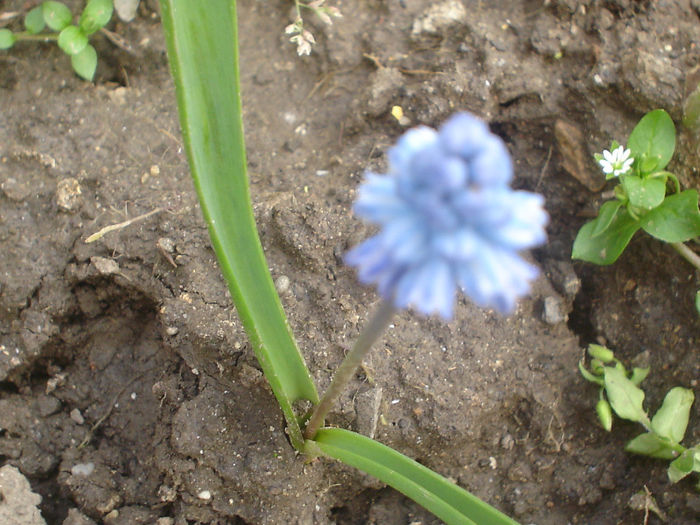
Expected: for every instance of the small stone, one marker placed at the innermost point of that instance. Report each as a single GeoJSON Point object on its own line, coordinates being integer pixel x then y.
{"type": "Point", "coordinates": [507, 441]}
{"type": "Point", "coordinates": [167, 494]}
{"type": "Point", "coordinates": [553, 312]}
{"type": "Point", "coordinates": [282, 284]}
{"type": "Point", "coordinates": [18, 505]}
{"type": "Point", "coordinates": [104, 265]}
{"type": "Point", "coordinates": [82, 469]}
{"type": "Point", "coordinates": [205, 495]}
{"type": "Point", "coordinates": [77, 417]}
{"type": "Point", "coordinates": [439, 17]}
{"type": "Point", "coordinates": [166, 244]}
{"type": "Point", "coordinates": [68, 193]}
{"type": "Point", "coordinates": [172, 330]}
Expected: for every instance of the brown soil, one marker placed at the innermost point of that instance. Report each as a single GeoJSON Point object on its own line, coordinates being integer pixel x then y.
{"type": "Point", "coordinates": [126, 353]}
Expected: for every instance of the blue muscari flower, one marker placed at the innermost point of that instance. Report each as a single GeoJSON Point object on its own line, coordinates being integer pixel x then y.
{"type": "Point", "coordinates": [448, 218]}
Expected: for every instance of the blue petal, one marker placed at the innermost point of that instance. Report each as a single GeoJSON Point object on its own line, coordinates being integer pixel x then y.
{"type": "Point", "coordinates": [464, 135]}
{"type": "Point", "coordinates": [408, 144]}
{"type": "Point", "coordinates": [492, 165]}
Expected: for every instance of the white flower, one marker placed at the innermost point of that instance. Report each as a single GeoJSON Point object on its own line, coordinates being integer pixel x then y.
{"type": "Point", "coordinates": [616, 163]}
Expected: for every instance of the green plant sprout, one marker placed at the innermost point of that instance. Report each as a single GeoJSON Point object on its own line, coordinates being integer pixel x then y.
{"type": "Point", "coordinates": [302, 37]}
{"type": "Point", "coordinates": [640, 197]}
{"type": "Point", "coordinates": [73, 39]}
{"type": "Point", "coordinates": [620, 392]}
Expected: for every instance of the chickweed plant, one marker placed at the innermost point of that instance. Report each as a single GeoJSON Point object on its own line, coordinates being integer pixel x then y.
{"type": "Point", "coordinates": [620, 393]}
{"type": "Point", "coordinates": [641, 200]}
{"type": "Point", "coordinates": [53, 21]}
{"type": "Point", "coordinates": [447, 219]}
{"type": "Point", "coordinates": [302, 37]}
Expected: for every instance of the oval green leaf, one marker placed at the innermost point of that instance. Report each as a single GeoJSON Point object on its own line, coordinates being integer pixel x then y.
{"type": "Point", "coordinates": [85, 62]}
{"type": "Point", "coordinates": [96, 15]}
{"type": "Point", "coordinates": [604, 248]}
{"type": "Point", "coordinates": [56, 15]}
{"type": "Point", "coordinates": [676, 219]}
{"type": "Point", "coordinates": [649, 444]}
{"type": "Point", "coordinates": [645, 194]}
{"type": "Point", "coordinates": [654, 137]}
{"type": "Point", "coordinates": [7, 39]}
{"type": "Point", "coordinates": [671, 420]}
{"type": "Point", "coordinates": [624, 396]}
{"type": "Point", "coordinates": [34, 21]}
{"type": "Point", "coordinates": [72, 40]}
{"type": "Point", "coordinates": [605, 216]}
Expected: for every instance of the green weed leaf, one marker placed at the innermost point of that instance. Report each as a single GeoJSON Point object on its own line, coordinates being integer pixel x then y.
{"type": "Point", "coordinates": [34, 21]}
{"type": "Point", "coordinates": [56, 15]}
{"type": "Point", "coordinates": [600, 352]}
{"type": "Point", "coordinates": [606, 215]}
{"type": "Point", "coordinates": [681, 467]}
{"type": "Point", "coordinates": [697, 301]}
{"type": "Point", "coordinates": [649, 444]}
{"type": "Point", "coordinates": [72, 40]}
{"type": "Point", "coordinates": [676, 219]}
{"type": "Point", "coordinates": [604, 412]}
{"type": "Point", "coordinates": [654, 137]}
{"type": "Point", "coordinates": [624, 396]}
{"type": "Point", "coordinates": [671, 420]}
{"type": "Point", "coordinates": [639, 375]}
{"type": "Point", "coordinates": [588, 376]}
{"type": "Point", "coordinates": [605, 247]}
{"type": "Point", "coordinates": [645, 194]}
{"type": "Point", "coordinates": [96, 15]}
{"type": "Point", "coordinates": [7, 39]}
{"type": "Point", "coordinates": [85, 62]}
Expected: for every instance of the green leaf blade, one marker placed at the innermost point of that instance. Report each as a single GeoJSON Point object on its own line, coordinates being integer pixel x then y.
{"type": "Point", "coordinates": [203, 52]}
{"type": "Point", "coordinates": [449, 502]}
{"type": "Point", "coordinates": [7, 39]}
{"type": "Point", "coordinates": [34, 21]}
{"type": "Point", "coordinates": [649, 444]}
{"type": "Point", "coordinates": [646, 193]}
{"type": "Point", "coordinates": [85, 63]}
{"type": "Point", "coordinates": [606, 215]}
{"type": "Point", "coordinates": [604, 248]}
{"type": "Point", "coordinates": [72, 40]}
{"type": "Point", "coordinates": [671, 420]}
{"type": "Point", "coordinates": [677, 219]}
{"type": "Point", "coordinates": [96, 15]}
{"type": "Point", "coordinates": [624, 396]}
{"type": "Point", "coordinates": [653, 139]}
{"type": "Point", "coordinates": [56, 15]}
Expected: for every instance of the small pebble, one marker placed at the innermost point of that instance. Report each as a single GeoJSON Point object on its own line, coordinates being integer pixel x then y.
{"type": "Point", "coordinates": [553, 313]}
{"type": "Point", "coordinates": [205, 495]}
{"type": "Point", "coordinates": [82, 469]}
{"type": "Point", "coordinates": [76, 416]}
{"type": "Point", "coordinates": [282, 284]}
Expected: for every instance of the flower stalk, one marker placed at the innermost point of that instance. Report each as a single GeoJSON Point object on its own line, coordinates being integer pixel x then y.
{"type": "Point", "coordinates": [376, 326]}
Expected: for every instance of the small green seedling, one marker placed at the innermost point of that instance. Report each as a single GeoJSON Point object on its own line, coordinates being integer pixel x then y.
{"type": "Point", "coordinates": [620, 393]}
{"type": "Point", "coordinates": [640, 197]}
{"type": "Point", "coordinates": [73, 39]}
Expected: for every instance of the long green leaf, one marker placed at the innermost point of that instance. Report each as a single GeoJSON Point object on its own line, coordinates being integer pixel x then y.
{"type": "Point", "coordinates": [450, 503]}
{"type": "Point", "coordinates": [203, 51]}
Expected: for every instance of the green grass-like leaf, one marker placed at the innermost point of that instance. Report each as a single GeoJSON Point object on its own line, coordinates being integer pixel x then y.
{"type": "Point", "coordinates": [203, 52]}
{"type": "Point", "coordinates": [449, 502]}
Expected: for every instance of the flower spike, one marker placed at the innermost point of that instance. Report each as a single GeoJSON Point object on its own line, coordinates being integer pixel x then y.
{"type": "Point", "coordinates": [448, 219]}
